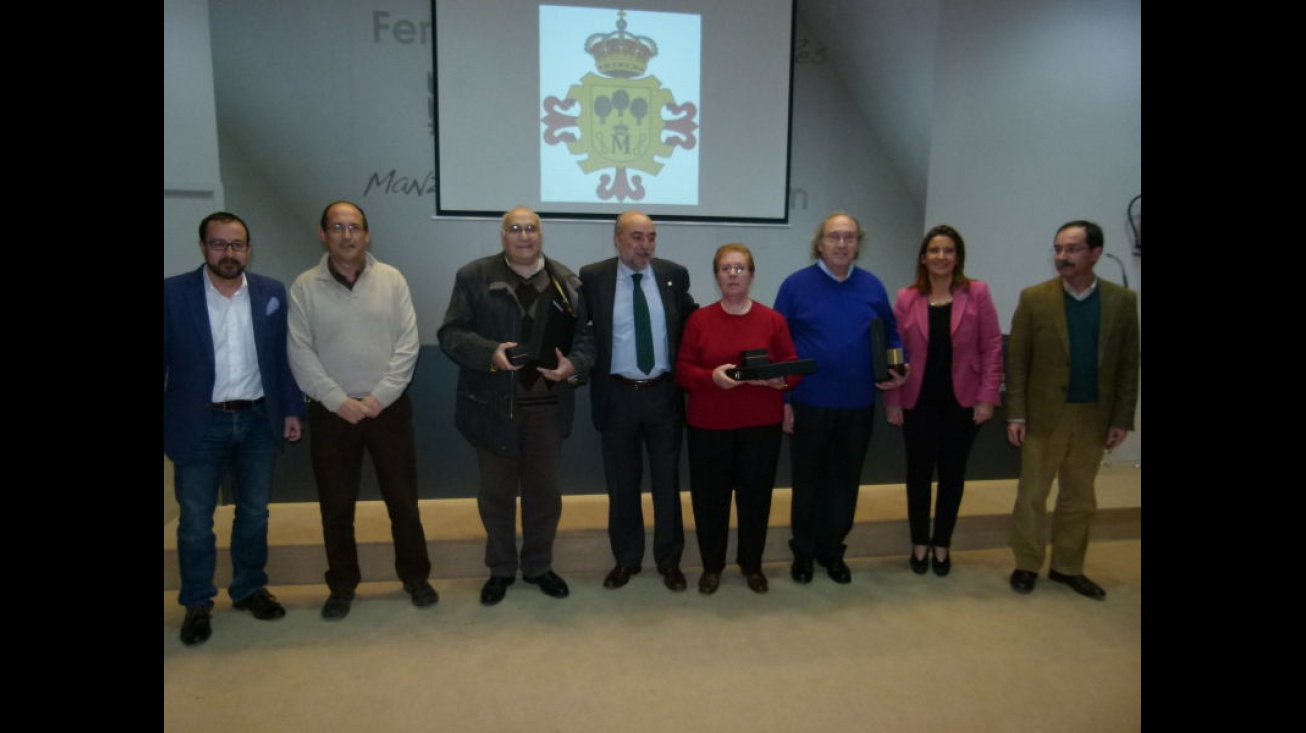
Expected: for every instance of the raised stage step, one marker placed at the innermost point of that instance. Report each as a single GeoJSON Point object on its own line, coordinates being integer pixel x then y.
{"type": "Point", "coordinates": [457, 540]}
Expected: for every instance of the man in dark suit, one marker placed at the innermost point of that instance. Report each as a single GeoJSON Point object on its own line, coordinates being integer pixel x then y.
{"type": "Point", "coordinates": [228, 400]}
{"type": "Point", "coordinates": [638, 306]}
{"type": "Point", "coordinates": [1072, 387]}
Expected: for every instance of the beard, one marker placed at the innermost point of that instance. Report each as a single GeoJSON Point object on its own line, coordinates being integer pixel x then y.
{"type": "Point", "coordinates": [227, 268]}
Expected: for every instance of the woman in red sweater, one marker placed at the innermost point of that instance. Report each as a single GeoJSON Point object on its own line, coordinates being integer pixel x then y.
{"type": "Point", "coordinates": [734, 427]}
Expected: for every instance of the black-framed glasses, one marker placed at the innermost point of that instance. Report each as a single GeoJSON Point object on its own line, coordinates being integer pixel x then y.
{"type": "Point", "coordinates": [218, 245]}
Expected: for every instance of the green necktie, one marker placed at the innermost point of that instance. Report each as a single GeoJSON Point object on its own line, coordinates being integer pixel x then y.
{"type": "Point", "coordinates": [643, 328]}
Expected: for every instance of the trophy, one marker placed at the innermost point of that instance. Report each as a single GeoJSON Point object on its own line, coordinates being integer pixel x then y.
{"type": "Point", "coordinates": [883, 358]}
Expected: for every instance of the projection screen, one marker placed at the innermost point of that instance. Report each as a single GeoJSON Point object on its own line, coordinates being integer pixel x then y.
{"type": "Point", "coordinates": [586, 109]}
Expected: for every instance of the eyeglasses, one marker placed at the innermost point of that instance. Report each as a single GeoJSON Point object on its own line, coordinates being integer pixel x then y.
{"type": "Point", "coordinates": [842, 237]}
{"type": "Point", "coordinates": [218, 245]}
{"type": "Point", "coordinates": [519, 228]}
{"type": "Point", "coordinates": [736, 269]}
{"type": "Point", "coordinates": [339, 228]}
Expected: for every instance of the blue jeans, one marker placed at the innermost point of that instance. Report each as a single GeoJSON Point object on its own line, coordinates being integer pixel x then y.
{"type": "Point", "coordinates": [244, 441]}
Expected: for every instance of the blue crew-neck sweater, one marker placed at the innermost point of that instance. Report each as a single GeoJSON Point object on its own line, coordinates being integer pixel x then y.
{"type": "Point", "coordinates": [830, 321]}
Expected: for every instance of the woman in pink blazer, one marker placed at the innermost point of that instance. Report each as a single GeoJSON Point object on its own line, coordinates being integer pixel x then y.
{"type": "Point", "coordinates": [950, 331]}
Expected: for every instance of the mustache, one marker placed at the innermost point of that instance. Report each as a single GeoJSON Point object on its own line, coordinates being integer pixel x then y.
{"type": "Point", "coordinates": [1063, 264]}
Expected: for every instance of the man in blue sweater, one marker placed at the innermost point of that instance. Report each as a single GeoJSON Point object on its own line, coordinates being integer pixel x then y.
{"type": "Point", "coordinates": [829, 307]}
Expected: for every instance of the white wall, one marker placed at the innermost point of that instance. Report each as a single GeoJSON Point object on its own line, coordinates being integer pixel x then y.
{"type": "Point", "coordinates": [192, 186]}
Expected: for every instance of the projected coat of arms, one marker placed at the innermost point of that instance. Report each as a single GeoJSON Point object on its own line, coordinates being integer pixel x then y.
{"type": "Point", "coordinates": [622, 123]}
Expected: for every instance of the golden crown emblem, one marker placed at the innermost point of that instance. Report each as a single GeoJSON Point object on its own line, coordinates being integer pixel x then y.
{"type": "Point", "coordinates": [621, 54]}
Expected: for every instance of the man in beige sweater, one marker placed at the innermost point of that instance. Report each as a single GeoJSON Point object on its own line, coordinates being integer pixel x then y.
{"type": "Point", "coordinates": [353, 346]}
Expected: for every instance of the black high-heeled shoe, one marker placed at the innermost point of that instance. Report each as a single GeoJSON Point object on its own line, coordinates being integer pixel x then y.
{"type": "Point", "coordinates": [919, 566]}
{"type": "Point", "coordinates": [941, 567]}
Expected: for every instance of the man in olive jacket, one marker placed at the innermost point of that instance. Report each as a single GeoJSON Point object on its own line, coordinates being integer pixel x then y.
{"type": "Point", "coordinates": [1072, 387]}
{"type": "Point", "coordinates": [515, 415]}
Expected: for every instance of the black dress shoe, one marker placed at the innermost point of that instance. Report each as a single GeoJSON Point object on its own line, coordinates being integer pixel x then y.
{"type": "Point", "coordinates": [262, 604]}
{"type": "Point", "coordinates": [801, 570]}
{"type": "Point", "coordinates": [941, 567]}
{"type": "Point", "coordinates": [550, 584]}
{"type": "Point", "coordinates": [423, 594]}
{"type": "Point", "coordinates": [709, 582]}
{"type": "Point", "coordinates": [838, 570]}
{"type": "Point", "coordinates": [337, 605]}
{"type": "Point", "coordinates": [1080, 584]}
{"type": "Point", "coordinates": [756, 581]}
{"type": "Point", "coordinates": [1022, 581]}
{"type": "Point", "coordinates": [672, 578]}
{"type": "Point", "coordinates": [918, 564]}
{"type": "Point", "coordinates": [620, 576]}
{"type": "Point", "coordinates": [197, 627]}
{"type": "Point", "coordinates": [494, 589]}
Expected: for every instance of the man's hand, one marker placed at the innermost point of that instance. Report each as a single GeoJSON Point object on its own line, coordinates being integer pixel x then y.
{"type": "Point", "coordinates": [1016, 433]}
{"type": "Point", "coordinates": [293, 430]}
{"type": "Point", "coordinates": [1114, 437]}
{"type": "Point", "coordinates": [895, 379]}
{"type": "Point", "coordinates": [500, 358]}
{"type": "Point", "coordinates": [352, 411]}
{"type": "Point", "coordinates": [565, 368]}
{"type": "Point", "coordinates": [372, 405]}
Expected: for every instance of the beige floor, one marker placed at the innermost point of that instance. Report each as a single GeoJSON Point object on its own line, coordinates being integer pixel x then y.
{"type": "Point", "coordinates": [892, 651]}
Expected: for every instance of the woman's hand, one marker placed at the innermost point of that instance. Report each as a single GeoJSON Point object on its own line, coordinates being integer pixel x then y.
{"type": "Point", "coordinates": [720, 379]}
{"type": "Point", "coordinates": [894, 416]}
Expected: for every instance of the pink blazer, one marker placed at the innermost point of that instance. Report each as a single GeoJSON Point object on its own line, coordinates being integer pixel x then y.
{"type": "Point", "coordinates": [976, 345]}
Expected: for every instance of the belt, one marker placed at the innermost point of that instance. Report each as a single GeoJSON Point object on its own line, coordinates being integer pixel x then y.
{"type": "Point", "coordinates": [641, 383]}
{"type": "Point", "coordinates": [235, 405]}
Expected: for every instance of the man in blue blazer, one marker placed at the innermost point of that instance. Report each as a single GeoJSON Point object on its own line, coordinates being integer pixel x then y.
{"type": "Point", "coordinates": [228, 400]}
